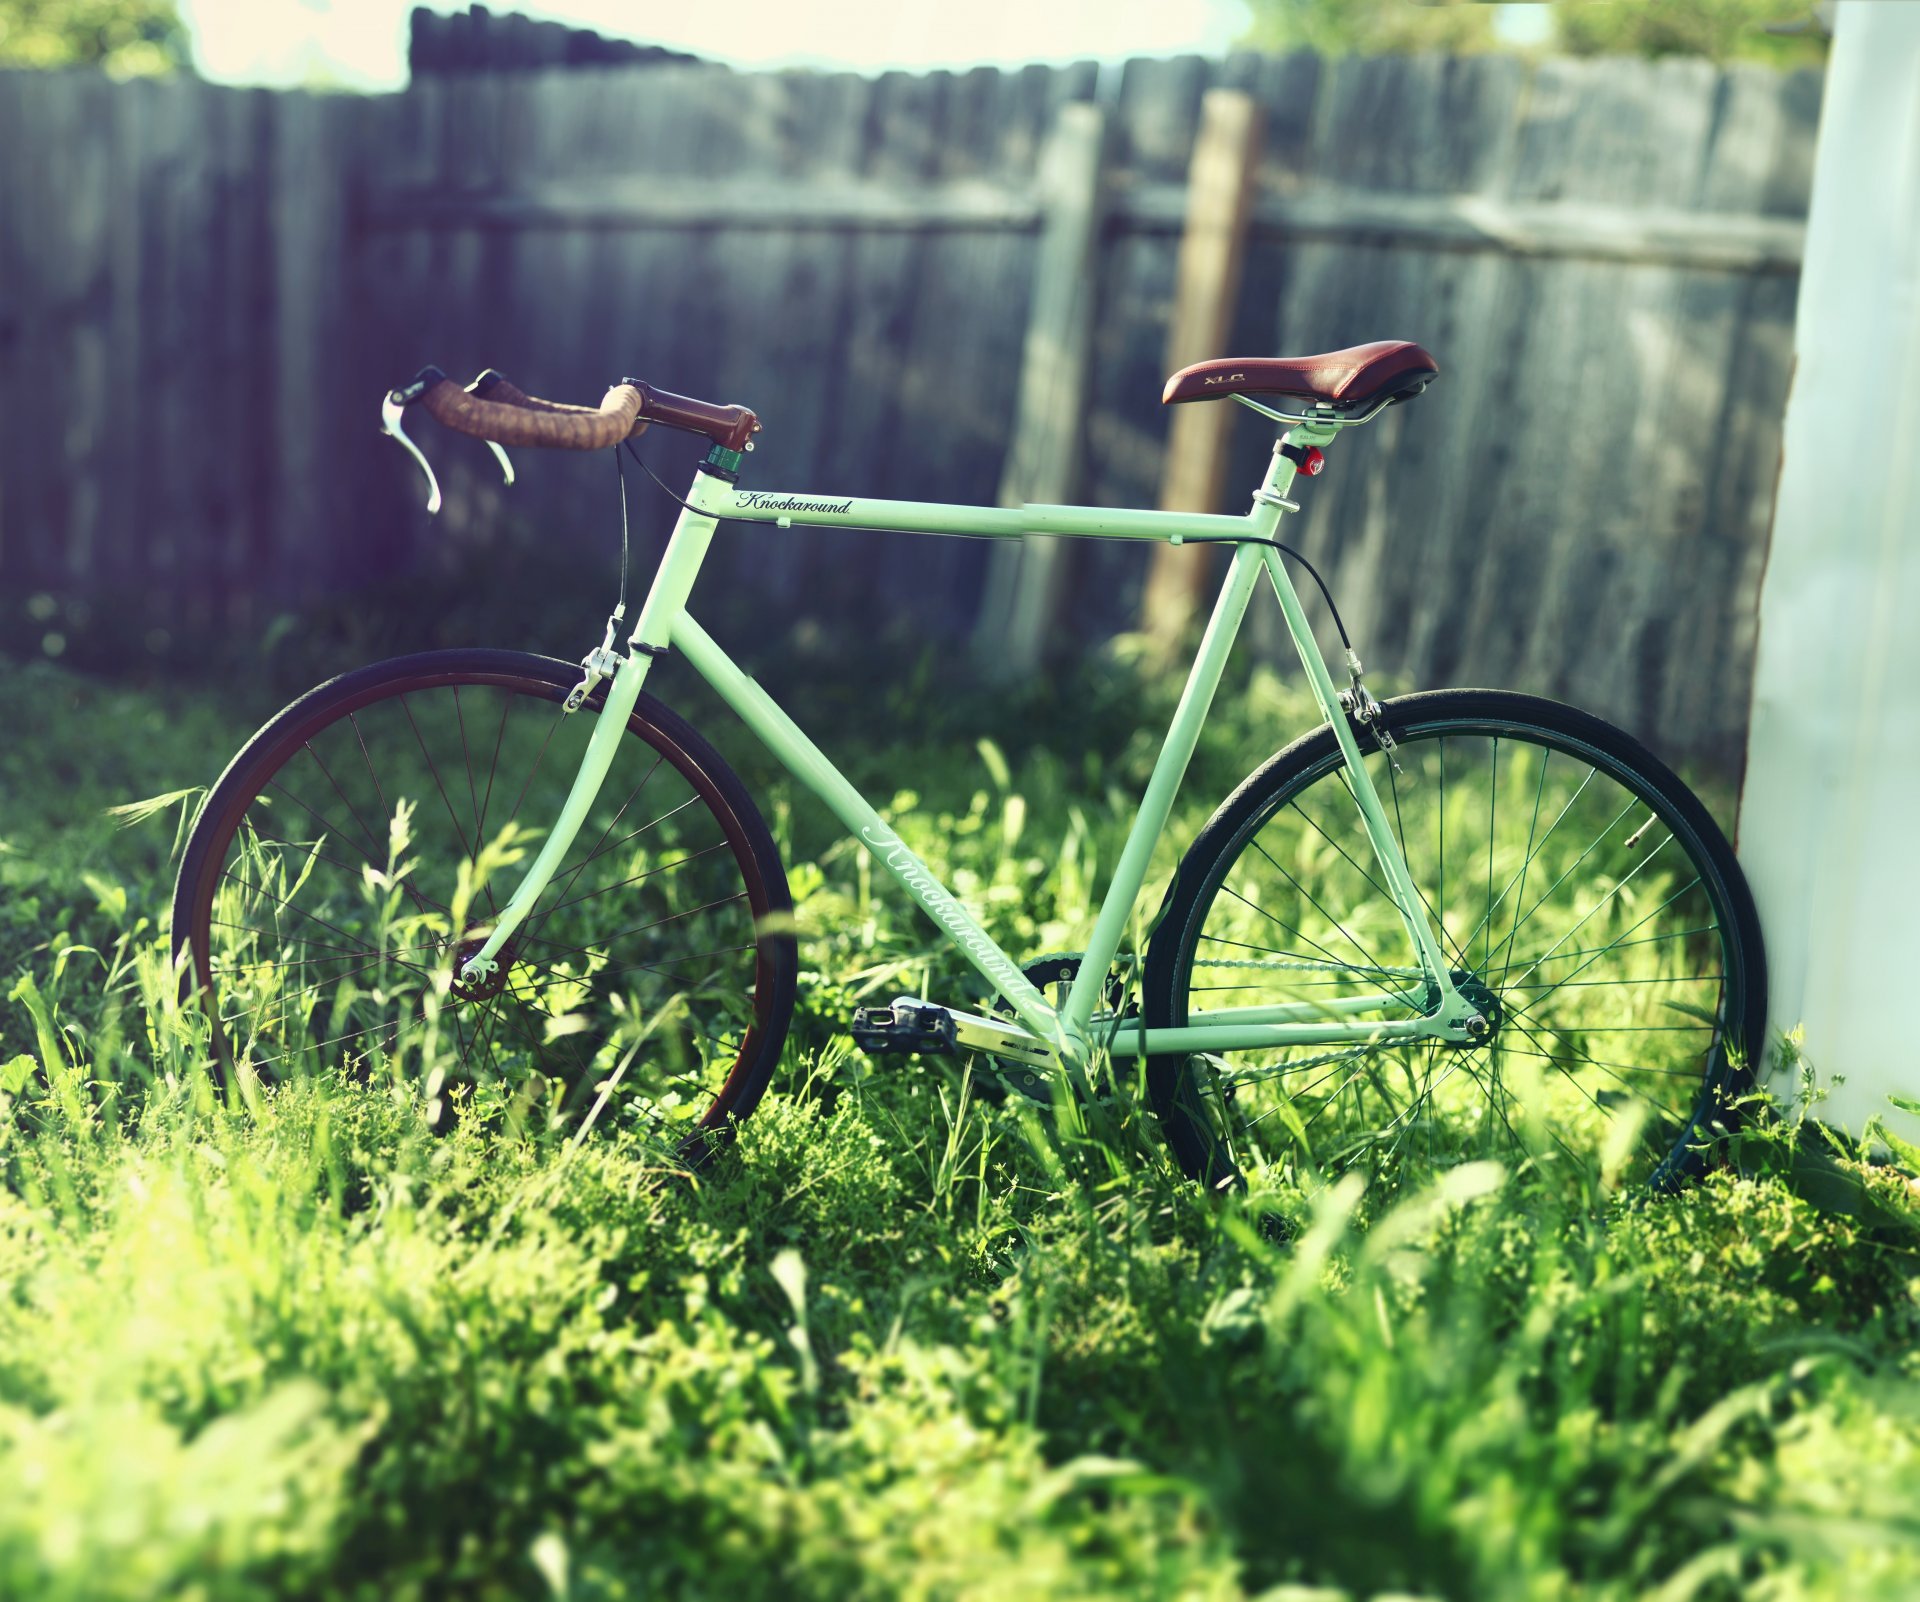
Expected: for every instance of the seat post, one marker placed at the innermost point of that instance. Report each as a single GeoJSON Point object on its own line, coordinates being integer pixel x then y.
{"type": "Point", "coordinates": [1290, 456]}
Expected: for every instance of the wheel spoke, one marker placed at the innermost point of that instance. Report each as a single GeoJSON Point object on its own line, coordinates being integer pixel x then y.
{"type": "Point", "coordinates": [466, 761]}
{"type": "Point", "coordinates": [472, 853]}
{"type": "Point", "coordinates": [353, 1034]}
{"type": "Point", "coordinates": [373, 843]}
{"type": "Point", "coordinates": [1526, 860]}
{"type": "Point", "coordinates": [611, 823]}
{"type": "Point", "coordinates": [493, 765]}
{"type": "Point", "coordinates": [1603, 950]}
{"type": "Point", "coordinates": [1434, 920]}
{"type": "Point", "coordinates": [540, 757]}
{"type": "Point", "coordinates": [1380, 889]}
{"type": "Point", "coordinates": [621, 884]}
{"type": "Point", "coordinates": [311, 917]}
{"type": "Point", "coordinates": [1314, 902]}
{"type": "Point", "coordinates": [1583, 984]}
{"type": "Point", "coordinates": [1319, 964]}
{"type": "Point", "coordinates": [1593, 847]}
{"type": "Point", "coordinates": [1493, 792]}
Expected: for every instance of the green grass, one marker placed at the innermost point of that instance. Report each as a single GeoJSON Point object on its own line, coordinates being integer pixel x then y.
{"type": "Point", "coordinates": [898, 1342]}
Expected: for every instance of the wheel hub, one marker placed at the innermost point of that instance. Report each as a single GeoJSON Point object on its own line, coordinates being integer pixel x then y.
{"type": "Point", "coordinates": [1482, 1000]}
{"type": "Point", "coordinates": [480, 986]}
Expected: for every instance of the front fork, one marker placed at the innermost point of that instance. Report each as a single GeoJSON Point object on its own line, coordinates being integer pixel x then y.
{"type": "Point", "coordinates": [665, 601]}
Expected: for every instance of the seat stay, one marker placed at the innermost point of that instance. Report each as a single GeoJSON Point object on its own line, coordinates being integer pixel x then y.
{"type": "Point", "coordinates": [1373, 815]}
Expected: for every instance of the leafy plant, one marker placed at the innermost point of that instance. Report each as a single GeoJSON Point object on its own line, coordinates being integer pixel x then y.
{"type": "Point", "coordinates": [129, 38]}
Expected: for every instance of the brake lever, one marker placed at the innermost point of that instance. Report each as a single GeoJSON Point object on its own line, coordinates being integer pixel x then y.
{"type": "Point", "coordinates": [394, 408]}
{"type": "Point", "coordinates": [500, 456]}
{"type": "Point", "coordinates": [499, 452]}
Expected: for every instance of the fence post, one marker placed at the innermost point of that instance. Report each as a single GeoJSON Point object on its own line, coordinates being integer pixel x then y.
{"type": "Point", "coordinates": [1213, 247]}
{"type": "Point", "coordinates": [1025, 579]}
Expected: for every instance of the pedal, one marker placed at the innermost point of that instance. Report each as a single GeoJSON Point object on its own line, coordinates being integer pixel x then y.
{"type": "Point", "coordinates": [904, 1027]}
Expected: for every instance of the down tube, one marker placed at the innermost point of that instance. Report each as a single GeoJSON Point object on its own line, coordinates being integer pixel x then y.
{"type": "Point", "coordinates": [804, 759]}
{"type": "Point", "coordinates": [1168, 770]}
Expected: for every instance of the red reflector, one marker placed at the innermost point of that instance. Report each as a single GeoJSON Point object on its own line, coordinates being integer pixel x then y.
{"type": "Point", "coordinates": [1313, 461]}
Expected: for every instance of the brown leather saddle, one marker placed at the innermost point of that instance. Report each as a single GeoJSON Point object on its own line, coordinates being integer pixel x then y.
{"type": "Point", "coordinates": [1355, 380]}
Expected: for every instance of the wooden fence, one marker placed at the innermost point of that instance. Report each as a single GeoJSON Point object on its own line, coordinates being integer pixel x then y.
{"type": "Point", "coordinates": [203, 291]}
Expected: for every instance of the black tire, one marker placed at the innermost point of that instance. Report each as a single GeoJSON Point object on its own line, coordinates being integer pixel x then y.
{"type": "Point", "coordinates": [1273, 901]}
{"type": "Point", "coordinates": [325, 954]}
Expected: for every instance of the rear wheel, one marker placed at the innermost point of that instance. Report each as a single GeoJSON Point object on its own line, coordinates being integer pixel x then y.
{"type": "Point", "coordinates": [359, 847]}
{"type": "Point", "coordinates": [1585, 901]}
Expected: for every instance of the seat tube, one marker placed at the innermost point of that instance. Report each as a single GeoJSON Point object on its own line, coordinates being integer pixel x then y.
{"type": "Point", "coordinates": [652, 633]}
{"type": "Point", "coordinates": [1130, 872]}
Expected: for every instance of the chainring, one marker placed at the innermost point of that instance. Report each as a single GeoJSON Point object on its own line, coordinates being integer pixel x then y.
{"type": "Point", "coordinates": [997, 1078]}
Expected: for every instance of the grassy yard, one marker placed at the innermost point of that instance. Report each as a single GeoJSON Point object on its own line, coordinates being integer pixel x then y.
{"type": "Point", "coordinates": [898, 1342]}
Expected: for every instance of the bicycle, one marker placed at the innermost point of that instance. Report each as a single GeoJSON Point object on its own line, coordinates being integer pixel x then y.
{"type": "Point", "coordinates": [1444, 922]}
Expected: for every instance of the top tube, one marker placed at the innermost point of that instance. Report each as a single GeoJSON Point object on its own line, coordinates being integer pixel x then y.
{"type": "Point", "coordinates": [787, 509]}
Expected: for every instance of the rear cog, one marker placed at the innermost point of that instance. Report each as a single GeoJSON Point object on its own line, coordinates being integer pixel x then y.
{"type": "Point", "coordinates": [1484, 1000]}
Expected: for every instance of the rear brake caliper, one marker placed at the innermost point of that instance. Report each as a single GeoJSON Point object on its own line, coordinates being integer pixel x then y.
{"type": "Point", "coordinates": [1361, 706]}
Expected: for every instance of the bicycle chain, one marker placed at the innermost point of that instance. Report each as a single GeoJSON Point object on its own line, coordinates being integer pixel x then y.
{"type": "Point", "coordinates": [1304, 967]}
{"type": "Point", "coordinates": [1294, 1064]}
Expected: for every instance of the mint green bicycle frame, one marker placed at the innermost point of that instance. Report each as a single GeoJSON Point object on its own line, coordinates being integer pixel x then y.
{"type": "Point", "coordinates": [1059, 1035]}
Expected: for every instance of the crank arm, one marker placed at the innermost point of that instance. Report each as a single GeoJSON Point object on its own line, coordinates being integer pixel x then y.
{"type": "Point", "coordinates": [999, 1037]}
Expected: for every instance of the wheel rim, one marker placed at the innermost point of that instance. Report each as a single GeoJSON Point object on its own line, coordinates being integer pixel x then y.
{"type": "Point", "coordinates": [366, 848]}
{"type": "Point", "coordinates": [1578, 910]}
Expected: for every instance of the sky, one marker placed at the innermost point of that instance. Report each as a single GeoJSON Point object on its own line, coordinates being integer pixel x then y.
{"type": "Point", "coordinates": [362, 43]}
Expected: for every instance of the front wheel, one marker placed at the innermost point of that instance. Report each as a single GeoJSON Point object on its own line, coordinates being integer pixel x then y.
{"type": "Point", "coordinates": [1585, 901]}
{"type": "Point", "coordinates": [360, 846]}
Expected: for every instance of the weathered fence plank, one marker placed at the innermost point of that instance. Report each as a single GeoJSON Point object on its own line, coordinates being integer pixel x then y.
{"type": "Point", "coordinates": [1043, 463]}
{"type": "Point", "coordinates": [1213, 246]}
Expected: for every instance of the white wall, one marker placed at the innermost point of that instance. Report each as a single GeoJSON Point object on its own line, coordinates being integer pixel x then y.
{"type": "Point", "coordinates": [1830, 820]}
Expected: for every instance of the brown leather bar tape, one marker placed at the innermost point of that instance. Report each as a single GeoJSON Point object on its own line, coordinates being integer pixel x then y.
{"type": "Point", "coordinates": [492, 407]}
{"type": "Point", "coordinates": [526, 421]}
{"type": "Point", "coordinates": [493, 386]}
